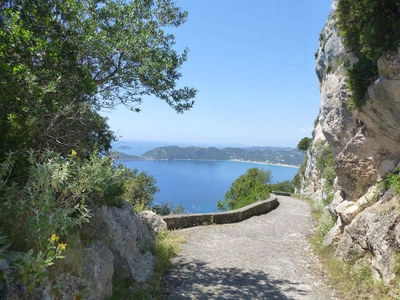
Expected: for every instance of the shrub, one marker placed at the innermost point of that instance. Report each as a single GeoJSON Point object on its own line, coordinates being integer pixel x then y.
{"type": "Point", "coordinates": [304, 144]}
{"type": "Point", "coordinates": [53, 198]}
{"type": "Point", "coordinates": [370, 28]}
{"type": "Point", "coordinates": [284, 186]}
{"type": "Point", "coordinates": [167, 208]}
{"type": "Point", "coordinates": [393, 180]}
{"type": "Point", "coordinates": [247, 189]}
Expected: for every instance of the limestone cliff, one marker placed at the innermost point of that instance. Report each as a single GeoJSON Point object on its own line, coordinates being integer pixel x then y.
{"type": "Point", "coordinates": [366, 146]}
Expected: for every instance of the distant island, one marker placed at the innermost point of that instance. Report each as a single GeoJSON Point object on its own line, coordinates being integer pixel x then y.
{"type": "Point", "coordinates": [267, 155]}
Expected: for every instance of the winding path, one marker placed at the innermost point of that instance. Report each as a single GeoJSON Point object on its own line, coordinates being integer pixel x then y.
{"type": "Point", "coordinates": [264, 257]}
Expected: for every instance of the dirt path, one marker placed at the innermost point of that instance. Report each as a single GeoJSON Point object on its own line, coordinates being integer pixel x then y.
{"type": "Point", "coordinates": [265, 257]}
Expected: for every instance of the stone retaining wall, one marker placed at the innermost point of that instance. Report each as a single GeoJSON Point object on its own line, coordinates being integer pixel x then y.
{"type": "Point", "coordinates": [232, 216]}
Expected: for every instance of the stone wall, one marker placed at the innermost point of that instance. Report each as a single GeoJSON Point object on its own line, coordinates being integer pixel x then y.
{"type": "Point", "coordinates": [232, 216]}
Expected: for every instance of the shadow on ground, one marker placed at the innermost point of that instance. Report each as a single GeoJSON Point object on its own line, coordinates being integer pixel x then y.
{"type": "Point", "coordinates": [194, 280]}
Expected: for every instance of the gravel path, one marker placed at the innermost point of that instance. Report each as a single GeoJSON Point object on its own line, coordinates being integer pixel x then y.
{"type": "Point", "coordinates": [264, 257]}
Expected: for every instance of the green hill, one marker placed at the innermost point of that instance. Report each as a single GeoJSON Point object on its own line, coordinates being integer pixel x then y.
{"type": "Point", "coordinates": [272, 155]}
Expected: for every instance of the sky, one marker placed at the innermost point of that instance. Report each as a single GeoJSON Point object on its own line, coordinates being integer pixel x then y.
{"type": "Point", "coordinates": [252, 62]}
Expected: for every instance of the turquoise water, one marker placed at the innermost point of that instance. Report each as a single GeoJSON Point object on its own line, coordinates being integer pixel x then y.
{"type": "Point", "coordinates": [198, 185]}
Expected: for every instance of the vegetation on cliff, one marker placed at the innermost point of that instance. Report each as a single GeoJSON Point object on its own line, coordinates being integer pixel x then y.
{"type": "Point", "coordinates": [370, 28]}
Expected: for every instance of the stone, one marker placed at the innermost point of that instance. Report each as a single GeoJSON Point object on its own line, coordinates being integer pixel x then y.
{"type": "Point", "coordinates": [347, 210]}
{"type": "Point", "coordinates": [374, 232]}
{"type": "Point", "coordinates": [127, 235]}
{"type": "Point", "coordinates": [73, 287]}
{"type": "Point", "coordinates": [155, 223]}
{"type": "Point", "coordinates": [98, 270]}
{"type": "Point", "coordinates": [389, 65]}
{"type": "Point", "coordinates": [334, 235]}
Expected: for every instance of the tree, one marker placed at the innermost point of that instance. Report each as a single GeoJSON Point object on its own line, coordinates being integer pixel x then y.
{"type": "Point", "coordinates": [140, 189]}
{"type": "Point", "coordinates": [304, 144]}
{"type": "Point", "coordinates": [62, 60]}
{"type": "Point", "coordinates": [247, 189]}
{"type": "Point", "coordinates": [284, 186]}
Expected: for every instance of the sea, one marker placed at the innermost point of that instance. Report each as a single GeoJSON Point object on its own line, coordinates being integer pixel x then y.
{"type": "Point", "coordinates": [198, 185]}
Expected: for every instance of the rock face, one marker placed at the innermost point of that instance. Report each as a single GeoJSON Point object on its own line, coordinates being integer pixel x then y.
{"type": "Point", "coordinates": [120, 248]}
{"type": "Point", "coordinates": [366, 146]}
{"type": "Point", "coordinates": [129, 240]}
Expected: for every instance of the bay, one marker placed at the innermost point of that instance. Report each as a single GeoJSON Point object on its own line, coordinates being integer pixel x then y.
{"type": "Point", "coordinates": [198, 185]}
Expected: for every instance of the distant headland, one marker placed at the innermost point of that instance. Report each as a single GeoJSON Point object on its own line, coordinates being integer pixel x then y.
{"type": "Point", "coordinates": [268, 155]}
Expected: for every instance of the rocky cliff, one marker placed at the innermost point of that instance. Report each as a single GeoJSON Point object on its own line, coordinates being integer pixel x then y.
{"type": "Point", "coordinates": [365, 147]}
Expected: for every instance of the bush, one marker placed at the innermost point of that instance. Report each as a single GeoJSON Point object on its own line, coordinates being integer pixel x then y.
{"type": "Point", "coordinates": [370, 28]}
{"type": "Point", "coordinates": [167, 208]}
{"type": "Point", "coordinates": [42, 207]}
{"type": "Point", "coordinates": [284, 186]}
{"type": "Point", "coordinates": [304, 144]}
{"type": "Point", "coordinates": [247, 189]}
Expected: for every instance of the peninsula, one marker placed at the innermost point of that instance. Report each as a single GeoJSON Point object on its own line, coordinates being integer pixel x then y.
{"type": "Point", "coordinates": [268, 155]}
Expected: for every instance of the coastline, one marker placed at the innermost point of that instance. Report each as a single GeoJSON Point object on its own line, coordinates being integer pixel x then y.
{"type": "Point", "coordinates": [231, 160]}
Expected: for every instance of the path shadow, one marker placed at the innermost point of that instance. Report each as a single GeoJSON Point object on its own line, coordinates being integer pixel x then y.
{"type": "Point", "coordinates": [195, 280]}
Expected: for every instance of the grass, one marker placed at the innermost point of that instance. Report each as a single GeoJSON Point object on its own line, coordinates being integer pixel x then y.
{"type": "Point", "coordinates": [167, 245]}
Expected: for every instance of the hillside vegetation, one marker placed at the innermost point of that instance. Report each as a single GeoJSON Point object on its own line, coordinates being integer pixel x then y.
{"type": "Point", "coordinates": [272, 155]}
{"type": "Point", "coordinates": [61, 61]}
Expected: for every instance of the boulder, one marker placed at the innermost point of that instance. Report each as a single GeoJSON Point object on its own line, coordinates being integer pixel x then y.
{"type": "Point", "coordinates": [389, 65]}
{"type": "Point", "coordinates": [154, 222]}
{"type": "Point", "coordinates": [129, 238]}
{"type": "Point", "coordinates": [374, 232]}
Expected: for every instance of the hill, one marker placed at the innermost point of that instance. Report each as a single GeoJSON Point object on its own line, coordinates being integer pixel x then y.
{"type": "Point", "coordinates": [271, 155]}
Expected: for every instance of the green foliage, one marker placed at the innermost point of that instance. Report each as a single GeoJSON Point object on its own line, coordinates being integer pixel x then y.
{"type": "Point", "coordinates": [53, 198]}
{"type": "Point", "coordinates": [284, 186]}
{"type": "Point", "coordinates": [3, 252]}
{"type": "Point", "coordinates": [139, 188]}
{"type": "Point", "coordinates": [32, 268]}
{"type": "Point", "coordinates": [247, 189]}
{"type": "Point", "coordinates": [304, 144]}
{"type": "Point", "coordinates": [393, 180]}
{"type": "Point", "coordinates": [324, 219]}
{"type": "Point", "coordinates": [300, 173]}
{"type": "Point", "coordinates": [324, 157]}
{"type": "Point", "coordinates": [270, 154]}
{"type": "Point", "coordinates": [326, 168]}
{"type": "Point", "coordinates": [46, 201]}
{"type": "Point", "coordinates": [62, 60]}
{"type": "Point", "coordinates": [370, 28]}
{"type": "Point", "coordinates": [358, 77]}
{"type": "Point", "coordinates": [167, 208]}
{"type": "Point", "coordinates": [45, 89]}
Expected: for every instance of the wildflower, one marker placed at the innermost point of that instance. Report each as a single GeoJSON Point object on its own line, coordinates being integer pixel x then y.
{"type": "Point", "coordinates": [62, 246]}
{"type": "Point", "coordinates": [73, 152]}
{"type": "Point", "coordinates": [54, 237]}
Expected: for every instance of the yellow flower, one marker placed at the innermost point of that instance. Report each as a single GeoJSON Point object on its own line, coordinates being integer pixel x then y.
{"type": "Point", "coordinates": [62, 246]}
{"type": "Point", "coordinates": [73, 152]}
{"type": "Point", "coordinates": [54, 237]}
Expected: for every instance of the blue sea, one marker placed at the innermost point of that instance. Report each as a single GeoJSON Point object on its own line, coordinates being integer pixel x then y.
{"type": "Point", "coordinates": [198, 185]}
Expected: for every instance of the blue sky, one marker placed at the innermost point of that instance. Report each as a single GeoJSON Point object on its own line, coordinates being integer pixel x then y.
{"type": "Point", "coordinates": [253, 64]}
